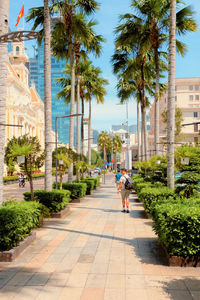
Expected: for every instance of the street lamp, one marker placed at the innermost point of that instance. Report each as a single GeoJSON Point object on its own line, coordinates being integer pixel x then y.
{"type": "Point", "coordinates": [56, 139]}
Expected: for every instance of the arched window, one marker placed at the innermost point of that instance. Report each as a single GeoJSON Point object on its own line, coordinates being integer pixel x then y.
{"type": "Point", "coordinates": [17, 50]}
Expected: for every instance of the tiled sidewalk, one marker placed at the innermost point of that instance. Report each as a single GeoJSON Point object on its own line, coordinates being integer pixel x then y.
{"type": "Point", "coordinates": [97, 253]}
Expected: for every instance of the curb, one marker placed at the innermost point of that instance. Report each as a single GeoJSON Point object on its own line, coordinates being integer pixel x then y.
{"type": "Point", "coordinates": [61, 214]}
{"type": "Point", "coordinates": [9, 256]}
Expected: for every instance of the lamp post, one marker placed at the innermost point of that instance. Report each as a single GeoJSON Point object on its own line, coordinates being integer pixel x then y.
{"type": "Point", "coordinates": [56, 139]}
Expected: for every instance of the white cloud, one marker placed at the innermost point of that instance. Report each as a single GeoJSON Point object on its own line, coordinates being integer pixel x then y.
{"type": "Point", "coordinates": [107, 114]}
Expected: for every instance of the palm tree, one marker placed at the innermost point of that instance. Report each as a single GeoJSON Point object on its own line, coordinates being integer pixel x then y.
{"type": "Point", "coordinates": [131, 44]}
{"type": "Point", "coordinates": [91, 85]}
{"type": "Point", "coordinates": [4, 12]}
{"type": "Point", "coordinates": [94, 85]}
{"type": "Point", "coordinates": [117, 148]}
{"type": "Point", "coordinates": [171, 96]}
{"type": "Point", "coordinates": [30, 148]}
{"type": "Point", "coordinates": [155, 15]}
{"type": "Point", "coordinates": [104, 142]}
{"type": "Point", "coordinates": [47, 97]}
{"type": "Point", "coordinates": [92, 44]}
{"type": "Point", "coordinates": [127, 88]}
{"type": "Point", "coordinates": [136, 79]}
{"type": "Point", "coordinates": [67, 10]}
{"type": "Point", "coordinates": [86, 41]}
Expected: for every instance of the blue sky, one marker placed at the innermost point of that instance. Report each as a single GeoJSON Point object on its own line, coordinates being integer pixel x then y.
{"type": "Point", "coordinates": [110, 113]}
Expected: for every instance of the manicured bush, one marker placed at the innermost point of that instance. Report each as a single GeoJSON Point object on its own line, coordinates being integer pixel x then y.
{"type": "Point", "coordinates": [78, 190]}
{"type": "Point", "coordinates": [188, 184]}
{"type": "Point", "coordinates": [55, 200]}
{"type": "Point", "coordinates": [150, 196]}
{"type": "Point", "coordinates": [96, 181]}
{"type": "Point", "coordinates": [16, 177]}
{"type": "Point", "coordinates": [17, 218]}
{"type": "Point", "coordinates": [178, 227]}
{"type": "Point", "coordinates": [90, 185]}
{"type": "Point", "coordinates": [141, 185]}
{"type": "Point", "coordinates": [136, 180]}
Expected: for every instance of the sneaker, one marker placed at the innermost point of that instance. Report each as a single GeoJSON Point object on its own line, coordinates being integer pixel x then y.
{"type": "Point", "coordinates": [127, 211]}
{"type": "Point", "coordinates": [123, 210]}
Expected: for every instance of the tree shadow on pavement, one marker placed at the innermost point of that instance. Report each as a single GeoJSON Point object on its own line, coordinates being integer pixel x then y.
{"type": "Point", "coordinates": [186, 288]}
{"type": "Point", "coordinates": [148, 251]}
{"type": "Point", "coordinates": [13, 279]}
{"type": "Point", "coordinates": [138, 214]}
{"type": "Point", "coordinates": [109, 210]}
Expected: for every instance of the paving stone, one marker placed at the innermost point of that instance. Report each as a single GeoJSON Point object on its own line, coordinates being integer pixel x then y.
{"type": "Point", "coordinates": [86, 258]}
{"type": "Point", "coordinates": [92, 293]}
{"type": "Point", "coordinates": [38, 279]}
{"type": "Point", "coordinates": [77, 280]}
{"type": "Point", "coordinates": [58, 279]}
{"type": "Point", "coordinates": [114, 294]}
{"type": "Point", "coordinates": [70, 293]}
{"type": "Point", "coordinates": [96, 281]}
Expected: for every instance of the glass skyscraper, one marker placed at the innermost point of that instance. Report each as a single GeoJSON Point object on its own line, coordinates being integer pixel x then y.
{"type": "Point", "coordinates": [59, 107]}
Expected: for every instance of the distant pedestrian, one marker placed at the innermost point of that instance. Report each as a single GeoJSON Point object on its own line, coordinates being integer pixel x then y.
{"type": "Point", "coordinates": [117, 177]}
{"type": "Point", "coordinates": [125, 186]}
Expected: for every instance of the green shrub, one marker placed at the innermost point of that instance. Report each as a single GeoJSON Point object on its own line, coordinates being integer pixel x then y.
{"type": "Point", "coordinates": [78, 190]}
{"type": "Point", "coordinates": [90, 185]}
{"type": "Point", "coordinates": [96, 181]}
{"type": "Point", "coordinates": [55, 200]}
{"type": "Point", "coordinates": [17, 218]}
{"type": "Point", "coordinates": [189, 184]}
{"type": "Point", "coordinates": [178, 227]}
{"type": "Point", "coordinates": [137, 179]}
{"type": "Point", "coordinates": [151, 195]}
{"type": "Point", "coordinates": [141, 185]}
{"type": "Point", "coordinates": [10, 178]}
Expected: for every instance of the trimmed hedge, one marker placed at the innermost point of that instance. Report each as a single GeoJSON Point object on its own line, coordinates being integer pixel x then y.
{"type": "Point", "coordinates": [136, 180]}
{"type": "Point", "coordinates": [178, 227]}
{"type": "Point", "coordinates": [141, 185]}
{"type": "Point", "coordinates": [17, 218]}
{"type": "Point", "coordinates": [55, 200]}
{"type": "Point", "coordinates": [151, 195]}
{"type": "Point", "coordinates": [96, 181]}
{"type": "Point", "coordinates": [78, 190]}
{"type": "Point", "coordinates": [90, 185]}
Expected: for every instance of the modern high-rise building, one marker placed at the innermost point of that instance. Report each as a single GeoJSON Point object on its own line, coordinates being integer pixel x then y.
{"type": "Point", "coordinates": [33, 69]}
{"type": "Point", "coordinates": [59, 107]}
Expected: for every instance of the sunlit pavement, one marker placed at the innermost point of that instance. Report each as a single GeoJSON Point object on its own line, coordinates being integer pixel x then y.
{"type": "Point", "coordinates": [97, 252]}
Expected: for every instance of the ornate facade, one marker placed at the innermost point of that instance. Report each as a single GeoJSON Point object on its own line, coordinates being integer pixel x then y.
{"type": "Point", "coordinates": [23, 105]}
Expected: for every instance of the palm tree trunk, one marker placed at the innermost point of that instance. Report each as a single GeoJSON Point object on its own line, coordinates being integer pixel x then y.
{"type": "Point", "coordinates": [31, 181]}
{"type": "Point", "coordinates": [89, 132]}
{"type": "Point", "coordinates": [78, 133]}
{"type": "Point", "coordinates": [143, 99]}
{"type": "Point", "coordinates": [171, 95]}
{"type": "Point", "coordinates": [71, 124]}
{"type": "Point", "coordinates": [82, 125]}
{"type": "Point", "coordinates": [142, 134]}
{"type": "Point", "coordinates": [145, 132]}
{"type": "Point", "coordinates": [47, 98]}
{"type": "Point", "coordinates": [138, 131]}
{"type": "Point", "coordinates": [157, 105]}
{"type": "Point", "coordinates": [4, 11]}
{"type": "Point", "coordinates": [105, 154]}
{"type": "Point", "coordinates": [115, 161]}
